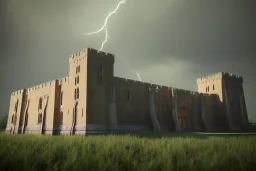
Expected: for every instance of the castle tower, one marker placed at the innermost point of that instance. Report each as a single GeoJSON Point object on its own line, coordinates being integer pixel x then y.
{"type": "Point", "coordinates": [229, 89]}
{"type": "Point", "coordinates": [90, 78]}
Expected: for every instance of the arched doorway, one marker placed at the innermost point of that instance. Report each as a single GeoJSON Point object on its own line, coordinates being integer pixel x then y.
{"type": "Point", "coordinates": [183, 117]}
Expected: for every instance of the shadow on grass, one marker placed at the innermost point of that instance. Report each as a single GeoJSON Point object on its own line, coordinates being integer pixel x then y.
{"type": "Point", "coordinates": [199, 135]}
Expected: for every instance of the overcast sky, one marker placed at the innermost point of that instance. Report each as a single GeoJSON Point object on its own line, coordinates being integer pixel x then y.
{"type": "Point", "coordinates": [169, 42]}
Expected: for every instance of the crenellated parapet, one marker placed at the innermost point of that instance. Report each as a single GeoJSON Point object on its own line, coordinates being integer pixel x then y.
{"type": "Point", "coordinates": [217, 76]}
{"type": "Point", "coordinates": [232, 77]}
{"type": "Point", "coordinates": [75, 58]}
{"type": "Point", "coordinates": [85, 53]}
{"type": "Point", "coordinates": [43, 85]}
{"type": "Point", "coordinates": [19, 92]}
{"type": "Point", "coordinates": [210, 78]}
{"type": "Point", "coordinates": [63, 80]}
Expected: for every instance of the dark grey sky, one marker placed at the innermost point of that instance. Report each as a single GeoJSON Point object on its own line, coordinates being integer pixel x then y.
{"type": "Point", "coordinates": [169, 42]}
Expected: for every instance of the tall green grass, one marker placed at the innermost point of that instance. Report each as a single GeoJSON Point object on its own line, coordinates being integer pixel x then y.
{"type": "Point", "coordinates": [125, 152]}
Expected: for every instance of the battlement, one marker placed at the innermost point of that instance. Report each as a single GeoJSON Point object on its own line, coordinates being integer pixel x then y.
{"type": "Point", "coordinates": [43, 85]}
{"type": "Point", "coordinates": [213, 77]}
{"type": "Point", "coordinates": [124, 81]}
{"type": "Point", "coordinates": [183, 91]}
{"type": "Point", "coordinates": [18, 92]}
{"type": "Point", "coordinates": [88, 51]}
{"type": "Point", "coordinates": [232, 77]}
{"type": "Point", "coordinates": [63, 80]}
{"type": "Point", "coordinates": [78, 56]}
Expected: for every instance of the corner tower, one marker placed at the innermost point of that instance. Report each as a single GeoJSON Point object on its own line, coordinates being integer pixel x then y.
{"type": "Point", "coordinates": [229, 88]}
{"type": "Point", "coordinates": [90, 76]}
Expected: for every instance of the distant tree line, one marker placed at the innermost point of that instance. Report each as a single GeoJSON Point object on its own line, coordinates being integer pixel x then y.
{"type": "Point", "coordinates": [3, 122]}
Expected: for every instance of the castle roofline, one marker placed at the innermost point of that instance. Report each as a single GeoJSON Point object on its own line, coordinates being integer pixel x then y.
{"type": "Point", "coordinates": [218, 74]}
{"type": "Point", "coordinates": [88, 49]}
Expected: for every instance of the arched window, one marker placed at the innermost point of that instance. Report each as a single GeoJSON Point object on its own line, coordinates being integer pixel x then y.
{"type": "Point", "coordinates": [61, 118]}
{"type": "Point", "coordinates": [40, 104]}
{"type": "Point", "coordinates": [39, 118]}
{"type": "Point", "coordinates": [213, 87]}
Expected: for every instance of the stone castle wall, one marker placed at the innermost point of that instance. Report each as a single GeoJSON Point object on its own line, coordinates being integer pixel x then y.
{"type": "Point", "coordinates": [91, 100]}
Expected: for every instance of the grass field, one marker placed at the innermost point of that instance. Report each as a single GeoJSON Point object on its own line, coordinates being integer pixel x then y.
{"type": "Point", "coordinates": [191, 151]}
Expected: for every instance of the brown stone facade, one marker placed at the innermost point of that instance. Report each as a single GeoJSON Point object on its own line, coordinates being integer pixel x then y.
{"type": "Point", "coordinates": [92, 100]}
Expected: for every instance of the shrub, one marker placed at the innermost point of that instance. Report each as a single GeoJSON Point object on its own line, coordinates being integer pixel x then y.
{"type": "Point", "coordinates": [3, 122]}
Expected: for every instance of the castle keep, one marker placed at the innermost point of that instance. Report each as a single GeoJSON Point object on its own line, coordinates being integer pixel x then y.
{"type": "Point", "coordinates": [92, 100]}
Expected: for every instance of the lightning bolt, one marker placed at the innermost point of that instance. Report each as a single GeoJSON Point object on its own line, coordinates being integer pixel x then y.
{"type": "Point", "coordinates": [104, 27]}
{"type": "Point", "coordinates": [137, 74]}
{"type": "Point", "coordinates": [105, 24]}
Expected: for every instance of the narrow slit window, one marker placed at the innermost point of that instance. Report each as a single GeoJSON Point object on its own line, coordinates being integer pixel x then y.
{"type": "Point", "coordinates": [39, 118]}
{"type": "Point", "coordinates": [40, 103]}
{"type": "Point", "coordinates": [61, 97]}
{"type": "Point", "coordinates": [128, 96]}
{"type": "Point", "coordinates": [16, 105]}
{"type": "Point", "coordinates": [213, 87]}
{"type": "Point", "coordinates": [61, 118]}
{"type": "Point", "coordinates": [101, 67]}
{"type": "Point", "coordinates": [77, 93]}
{"type": "Point", "coordinates": [77, 80]}
{"type": "Point", "coordinates": [12, 121]}
{"type": "Point", "coordinates": [101, 79]}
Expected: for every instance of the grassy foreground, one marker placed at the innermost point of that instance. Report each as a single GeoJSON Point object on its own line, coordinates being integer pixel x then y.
{"type": "Point", "coordinates": [126, 152]}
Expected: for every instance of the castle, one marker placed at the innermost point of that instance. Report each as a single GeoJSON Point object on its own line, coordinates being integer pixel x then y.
{"type": "Point", "coordinates": [92, 100]}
